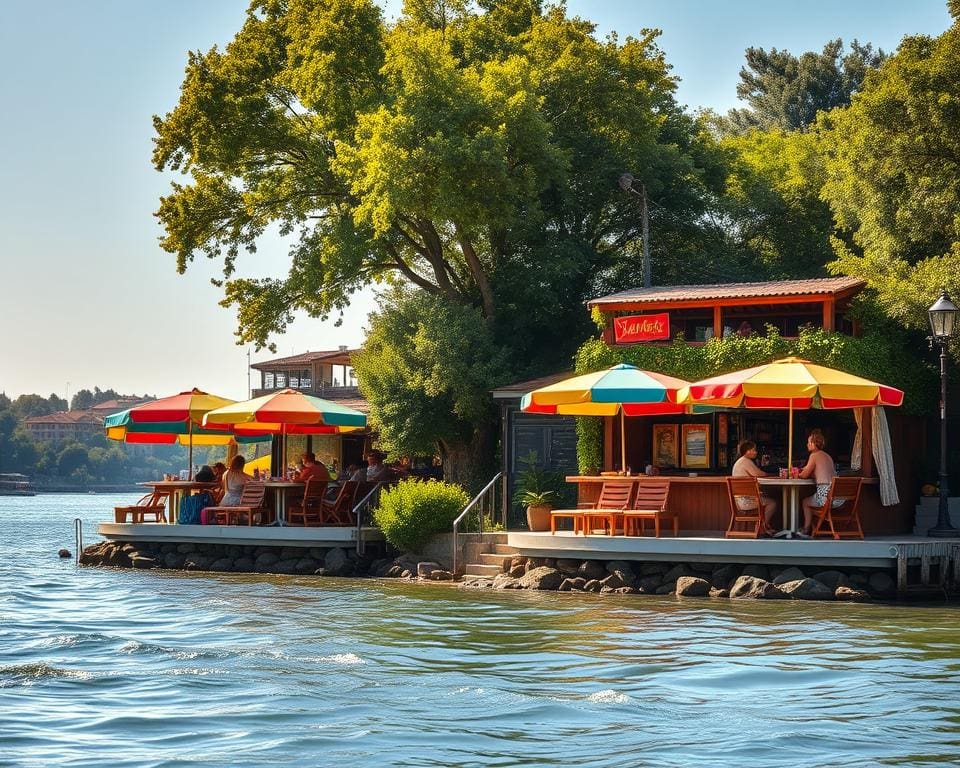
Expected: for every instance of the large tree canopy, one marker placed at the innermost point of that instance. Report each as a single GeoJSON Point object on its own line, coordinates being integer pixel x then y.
{"type": "Point", "coordinates": [471, 154]}
{"type": "Point", "coordinates": [893, 177]}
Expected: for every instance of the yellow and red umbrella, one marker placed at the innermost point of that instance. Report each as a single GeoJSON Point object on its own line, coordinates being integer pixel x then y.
{"type": "Point", "coordinates": [623, 389]}
{"type": "Point", "coordinates": [286, 412]}
{"type": "Point", "coordinates": [790, 383]}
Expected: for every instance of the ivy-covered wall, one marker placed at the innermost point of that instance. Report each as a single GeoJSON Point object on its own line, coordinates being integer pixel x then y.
{"type": "Point", "coordinates": [886, 358]}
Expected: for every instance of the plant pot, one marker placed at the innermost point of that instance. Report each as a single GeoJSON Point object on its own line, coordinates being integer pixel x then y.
{"type": "Point", "coordinates": [538, 517]}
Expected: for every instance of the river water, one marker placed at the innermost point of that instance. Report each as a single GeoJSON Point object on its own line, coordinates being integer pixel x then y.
{"type": "Point", "coordinates": [102, 667]}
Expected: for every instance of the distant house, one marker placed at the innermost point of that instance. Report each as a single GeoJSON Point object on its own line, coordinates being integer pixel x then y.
{"type": "Point", "coordinates": [65, 425]}
{"type": "Point", "coordinates": [108, 407]}
{"type": "Point", "coordinates": [327, 374]}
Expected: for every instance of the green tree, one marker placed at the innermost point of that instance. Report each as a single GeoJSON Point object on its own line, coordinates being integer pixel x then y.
{"type": "Point", "coordinates": [893, 164]}
{"type": "Point", "coordinates": [786, 91]}
{"type": "Point", "coordinates": [82, 400]}
{"type": "Point", "coordinates": [71, 457]}
{"type": "Point", "coordinates": [28, 406]}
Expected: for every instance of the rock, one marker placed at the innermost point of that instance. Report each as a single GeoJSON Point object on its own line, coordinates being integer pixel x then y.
{"type": "Point", "coordinates": [244, 564]}
{"type": "Point", "coordinates": [676, 572]}
{"type": "Point", "coordinates": [649, 584]}
{"type": "Point", "coordinates": [286, 567]}
{"type": "Point", "coordinates": [543, 578]}
{"type": "Point", "coordinates": [424, 568]}
{"type": "Point", "coordinates": [653, 569]}
{"type": "Point", "coordinates": [806, 589]}
{"type": "Point", "coordinates": [336, 563]}
{"type": "Point", "coordinates": [143, 562]}
{"type": "Point", "coordinates": [714, 592]}
{"type": "Point", "coordinates": [517, 571]}
{"type": "Point", "coordinates": [604, 590]}
{"type": "Point", "coordinates": [518, 561]}
{"type": "Point", "coordinates": [568, 567]}
{"type": "Point", "coordinates": [789, 574]}
{"type": "Point", "coordinates": [222, 564]}
{"type": "Point", "coordinates": [858, 580]}
{"type": "Point", "coordinates": [535, 562]}
{"type": "Point", "coordinates": [666, 589]}
{"type": "Point", "coordinates": [577, 583]}
{"type": "Point", "coordinates": [751, 587]}
{"type": "Point", "coordinates": [627, 577]}
{"type": "Point", "coordinates": [723, 575]}
{"type": "Point", "coordinates": [613, 581]}
{"type": "Point", "coordinates": [174, 560]}
{"type": "Point", "coordinates": [476, 584]}
{"type": "Point", "coordinates": [593, 585]}
{"type": "Point", "coordinates": [395, 572]}
{"type": "Point", "coordinates": [502, 581]}
{"type": "Point", "coordinates": [692, 586]}
{"type": "Point", "coordinates": [441, 575]}
{"type": "Point", "coordinates": [591, 569]}
{"type": "Point", "coordinates": [851, 595]}
{"type": "Point", "coordinates": [265, 560]}
{"type": "Point", "coordinates": [565, 585]}
{"type": "Point", "coordinates": [831, 579]}
{"type": "Point", "coordinates": [186, 549]}
{"type": "Point", "coordinates": [407, 574]}
{"type": "Point", "coordinates": [619, 565]}
{"type": "Point", "coordinates": [756, 571]}
{"type": "Point", "coordinates": [64, 553]}
{"type": "Point", "coordinates": [306, 565]}
{"type": "Point", "coordinates": [703, 567]}
{"type": "Point", "coordinates": [625, 591]}
{"type": "Point", "coordinates": [881, 584]}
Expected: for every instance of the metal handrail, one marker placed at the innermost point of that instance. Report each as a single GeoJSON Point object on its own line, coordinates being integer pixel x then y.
{"type": "Point", "coordinates": [78, 535]}
{"type": "Point", "coordinates": [466, 511]}
{"type": "Point", "coordinates": [358, 514]}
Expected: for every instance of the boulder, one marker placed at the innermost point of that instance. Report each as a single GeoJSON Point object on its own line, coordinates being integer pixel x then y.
{"type": "Point", "coordinates": [306, 565]}
{"type": "Point", "coordinates": [222, 564]}
{"type": "Point", "coordinates": [649, 584]}
{"type": "Point", "coordinates": [568, 567]}
{"type": "Point", "coordinates": [593, 585]}
{"type": "Point", "coordinates": [286, 567]}
{"type": "Point", "coordinates": [703, 567]}
{"type": "Point", "coordinates": [625, 591]}
{"type": "Point", "coordinates": [806, 589]}
{"type": "Point", "coordinates": [666, 589]}
{"type": "Point", "coordinates": [265, 560]}
{"type": "Point", "coordinates": [64, 553]}
{"type": "Point", "coordinates": [653, 569]}
{"type": "Point", "coordinates": [394, 572]}
{"type": "Point", "coordinates": [476, 584]}
{"type": "Point", "coordinates": [757, 571]}
{"type": "Point", "coordinates": [543, 578]}
{"type": "Point", "coordinates": [858, 580]}
{"type": "Point", "coordinates": [441, 575]}
{"type": "Point", "coordinates": [831, 579]}
{"type": "Point", "coordinates": [752, 588]}
{"type": "Point", "coordinates": [788, 574]}
{"type": "Point", "coordinates": [881, 584]}
{"type": "Point", "coordinates": [243, 564]}
{"type": "Point", "coordinates": [619, 565]}
{"type": "Point", "coordinates": [426, 567]}
{"type": "Point", "coordinates": [692, 586]}
{"type": "Point", "coordinates": [851, 595]}
{"type": "Point", "coordinates": [714, 592]}
{"type": "Point", "coordinates": [502, 581]}
{"type": "Point", "coordinates": [606, 590]}
{"type": "Point", "coordinates": [591, 569]}
{"type": "Point", "coordinates": [516, 571]}
{"type": "Point", "coordinates": [186, 549]}
{"type": "Point", "coordinates": [336, 563]}
{"type": "Point", "coordinates": [175, 560]}
{"type": "Point", "coordinates": [724, 575]}
{"type": "Point", "coordinates": [676, 572]}
{"type": "Point", "coordinates": [614, 581]}
{"type": "Point", "coordinates": [141, 561]}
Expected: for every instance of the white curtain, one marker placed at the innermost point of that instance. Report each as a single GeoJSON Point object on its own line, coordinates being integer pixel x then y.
{"type": "Point", "coordinates": [882, 453]}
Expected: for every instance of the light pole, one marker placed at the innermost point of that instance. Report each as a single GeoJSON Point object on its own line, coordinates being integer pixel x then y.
{"type": "Point", "coordinates": [943, 321]}
{"type": "Point", "coordinates": [626, 184]}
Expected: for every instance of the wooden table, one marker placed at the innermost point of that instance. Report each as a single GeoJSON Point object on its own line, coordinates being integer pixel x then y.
{"type": "Point", "coordinates": [790, 488]}
{"type": "Point", "coordinates": [177, 489]}
{"type": "Point", "coordinates": [280, 489]}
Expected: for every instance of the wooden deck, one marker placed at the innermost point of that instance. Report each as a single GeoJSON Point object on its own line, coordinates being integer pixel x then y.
{"type": "Point", "coordinates": [873, 552]}
{"type": "Point", "coordinates": [287, 536]}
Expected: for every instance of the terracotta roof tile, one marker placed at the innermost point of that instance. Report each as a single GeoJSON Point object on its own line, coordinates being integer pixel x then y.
{"type": "Point", "coordinates": [819, 286]}
{"type": "Point", "coordinates": [308, 357]}
{"type": "Point", "coordinates": [66, 417]}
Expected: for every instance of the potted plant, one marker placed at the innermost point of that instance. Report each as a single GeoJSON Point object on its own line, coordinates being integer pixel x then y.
{"type": "Point", "coordinates": [539, 491]}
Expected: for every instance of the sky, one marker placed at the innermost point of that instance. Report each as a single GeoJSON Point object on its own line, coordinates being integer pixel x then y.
{"type": "Point", "coordinates": [87, 296]}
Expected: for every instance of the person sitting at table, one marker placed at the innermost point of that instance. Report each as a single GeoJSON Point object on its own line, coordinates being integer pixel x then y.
{"type": "Point", "coordinates": [820, 466]}
{"type": "Point", "coordinates": [205, 474]}
{"type": "Point", "coordinates": [356, 473]}
{"type": "Point", "coordinates": [233, 482]}
{"type": "Point", "coordinates": [377, 471]}
{"type": "Point", "coordinates": [312, 469]}
{"type": "Point", "coordinates": [746, 466]}
{"type": "Point", "coordinates": [219, 470]}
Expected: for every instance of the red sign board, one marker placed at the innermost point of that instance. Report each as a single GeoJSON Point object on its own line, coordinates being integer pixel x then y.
{"type": "Point", "coordinates": [642, 328]}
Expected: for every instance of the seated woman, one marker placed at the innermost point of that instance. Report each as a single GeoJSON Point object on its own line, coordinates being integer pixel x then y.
{"type": "Point", "coordinates": [820, 466]}
{"type": "Point", "coordinates": [233, 482]}
{"type": "Point", "coordinates": [746, 466]}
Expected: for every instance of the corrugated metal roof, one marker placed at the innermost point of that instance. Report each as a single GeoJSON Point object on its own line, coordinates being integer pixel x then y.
{"type": "Point", "coordinates": [520, 388]}
{"type": "Point", "coordinates": [818, 286]}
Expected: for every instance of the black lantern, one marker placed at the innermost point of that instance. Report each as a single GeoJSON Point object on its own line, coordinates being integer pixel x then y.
{"type": "Point", "coordinates": [943, 323]}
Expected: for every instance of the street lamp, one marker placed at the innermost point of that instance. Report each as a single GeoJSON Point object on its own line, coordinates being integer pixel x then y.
{"type": "Point", "coordinates": [626, 184]}
{"type": "Point", "coordinates": [943, 322]}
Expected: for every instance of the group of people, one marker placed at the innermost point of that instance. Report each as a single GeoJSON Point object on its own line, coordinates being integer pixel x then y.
{"type": "Point", "coordinates": [819, 466]}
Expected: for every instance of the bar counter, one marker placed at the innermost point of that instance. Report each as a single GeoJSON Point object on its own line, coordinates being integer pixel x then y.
{"type": "Point", "coordinates": [703, 505]}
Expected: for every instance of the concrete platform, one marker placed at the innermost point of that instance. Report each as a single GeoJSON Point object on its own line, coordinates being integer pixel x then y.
{"type": "Point", "coordinates": [287, 536]}
{"type": "Point", "coordinates": [879, 552]}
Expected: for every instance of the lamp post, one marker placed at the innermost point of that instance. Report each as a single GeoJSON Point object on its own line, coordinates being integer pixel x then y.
{"type": "Point", "coordinates": [943, 320]}
{"type": "Point", "coordinates": [626, 184]}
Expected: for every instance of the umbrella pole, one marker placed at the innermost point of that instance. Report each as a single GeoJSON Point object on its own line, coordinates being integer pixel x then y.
{"type": "Point", "coordinates": [790, 441]}
{"type": "Point", "coordinates": [190, 459]}
{"type": "Point", "coordinates": [623, 443]}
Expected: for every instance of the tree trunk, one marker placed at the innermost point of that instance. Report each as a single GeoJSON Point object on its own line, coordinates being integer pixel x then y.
{"type": "Point", "coordinates": [470, 463]}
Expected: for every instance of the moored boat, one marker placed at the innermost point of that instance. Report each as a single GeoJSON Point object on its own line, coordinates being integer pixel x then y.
{"type": "Point", "coordinates": [15, 484]}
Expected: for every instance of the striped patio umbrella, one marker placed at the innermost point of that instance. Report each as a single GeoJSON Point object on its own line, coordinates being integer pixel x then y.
{"type": "Point", "coordinates": [623, 389]}
{"type": "Point", "coordinates": [787, 384]}
{"type": "Point", "coordinates": [286, 412]}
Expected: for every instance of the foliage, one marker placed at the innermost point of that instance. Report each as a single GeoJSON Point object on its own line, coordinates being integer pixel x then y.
{"type": "Point", "coordinates": [589, 444]}
{"type": "Point", "coordinates": [886, 355]}
{"type": "Point", "coordinates": [893, 159]}
{"type": "Point", "coordinates": [412, 511]}
{"type": "Point", "coordinates": [538, 486]}
{"type": "Point", "coordinates": [786, 92]}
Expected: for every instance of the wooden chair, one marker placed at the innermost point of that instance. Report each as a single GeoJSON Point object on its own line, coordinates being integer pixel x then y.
{"type": "Point", "coordinates": [153, 505]}
{"type": "Point", "coordinates": [746, 489]}
{"type": "Point", "coordinates": [842, 520]}
{"type": "Point", "coordinates": [614, 498]}
{"type": "Point", "coordinates": [340, 510]}
{"type": "Point", "coordinates": [309, 509]}
{"type": "Point", "coordinates": [650, 503]}
{"type": "Point", "coordinates": [251, 507]}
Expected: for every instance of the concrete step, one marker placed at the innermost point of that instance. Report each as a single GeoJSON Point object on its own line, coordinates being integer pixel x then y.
{"type": "Point", "coordinates": [491, 558]}
{"type": "Point", "coordinates": [478, 569]}
{"type": "Point", "coordinates": [506, 549]}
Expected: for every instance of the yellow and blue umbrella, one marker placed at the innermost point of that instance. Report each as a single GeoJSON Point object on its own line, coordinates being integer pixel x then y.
{"type": "Point", "coordinates": [623, 389]}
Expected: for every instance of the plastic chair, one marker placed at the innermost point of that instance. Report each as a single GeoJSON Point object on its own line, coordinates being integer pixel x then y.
{"type": "Point", "coordinates": [650, 503]}
{"type": "Point", "coordinates": [840, 512]}
{"type": "Point", "coordinates": [745, 492]}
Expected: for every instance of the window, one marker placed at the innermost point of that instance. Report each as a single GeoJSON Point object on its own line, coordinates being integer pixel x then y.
{"type": "Point", "coordinates": [268, 380]}
{"type": "Point", "coordinates": [281, 379]}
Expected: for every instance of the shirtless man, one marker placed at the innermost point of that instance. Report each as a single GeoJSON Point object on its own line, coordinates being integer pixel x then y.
{"type": "Point", "coordinates": [820, 467]}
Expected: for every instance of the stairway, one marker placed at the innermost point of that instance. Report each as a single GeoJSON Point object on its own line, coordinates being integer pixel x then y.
{"type": "Point", "coordinates": [489, 564]}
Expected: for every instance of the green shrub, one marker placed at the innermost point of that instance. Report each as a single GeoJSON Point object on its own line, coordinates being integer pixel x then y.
{"type": "Point", "coordinates": [412, 511]}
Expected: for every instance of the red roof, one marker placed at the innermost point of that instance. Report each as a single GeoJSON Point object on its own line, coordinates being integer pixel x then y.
{"type": "Point", "coordinates": [333, 356]}
{"type": "Point", "coordinates": [818, 286]}
{"type": "Point", "coordinates": [66, 417]}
